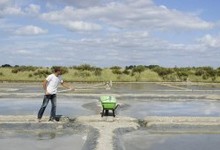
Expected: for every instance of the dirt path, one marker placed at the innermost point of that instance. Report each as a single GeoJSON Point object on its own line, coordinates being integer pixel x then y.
{"type": "Point", "coordinates": [106, 126]}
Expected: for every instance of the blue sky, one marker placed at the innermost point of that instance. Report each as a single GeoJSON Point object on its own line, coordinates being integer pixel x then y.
{"type": "Point", "coordinates": [109, 32]}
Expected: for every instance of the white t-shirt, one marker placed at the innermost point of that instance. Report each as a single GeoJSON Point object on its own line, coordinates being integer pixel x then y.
{"type": "Point", "coordinates": [52, 83]}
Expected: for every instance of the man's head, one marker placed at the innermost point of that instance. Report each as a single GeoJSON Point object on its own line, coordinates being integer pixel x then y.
{"type": "Point", "coordinates": [57, 71]}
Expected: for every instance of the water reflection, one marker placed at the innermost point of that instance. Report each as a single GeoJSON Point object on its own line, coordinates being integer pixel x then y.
{"type": "Point", "coordinates": [46, 135]}
{"type": "Point", "coordinates": [202, 108]}
{"type": "Point", "coordinates": [137, 140]}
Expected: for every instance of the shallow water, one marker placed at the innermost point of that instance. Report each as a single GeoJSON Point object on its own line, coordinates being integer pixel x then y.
{"type": "Point", "coordinates": [173, 102]}
{"type": "Point", "coordinates": [138, 108]}
{"type": "Point", "coordinates": [142, 140]}
{"type": "Point", "coordinates": [71, 107]}
{"type": "Point", "coordinates": [176, 102]}
{"type": "Point", "coordinates": [198, 86]}
{"type": "Point", "coordinates": [191, 107]}
{"type": "Point", "coordinates": [117, 88]}
{"type": "Point", "coordinates": [43, 141]}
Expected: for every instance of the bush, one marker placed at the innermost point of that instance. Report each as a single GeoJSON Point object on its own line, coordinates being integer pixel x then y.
{"type": "Point", "coordinates": [130, 67]}
{"type": "Point", "coordinates": [199, 72]}
{"type": "Point", "coordinates": [23, 68]}
{"type": "Point", "coordinates": [115, 68]}
{"type": "Point", "coordinates": [163, 71]}
{"type": "Point", "coordinates": [171, 77]}
{"type": "Point", "coordinates": [30, 75]}
{"type": "Point", "coordinates": [41, 73]}
{"type": "Point", "coordinates": [83, 74]}
{"type": "Point", "coordinates": [14, 70]}
{"type": "Point", "coordinates": [208, 71]}
{"type": "Point", "coordinates": [218, 72]}
{"type": "Point", "coordinates": [98, 72]}
{"type": "Point", "coordinates": [127, 72]}
{"type": "Point", "coordinates": [118, 72]}
{"type": "Point", "coordinates": [182, 75]}
{"type": "Point", "coordinates": [205, 77]}
{"type": "Point", "coordinates": [85, 67]}
{"type": "Point", "coordinates": [138, 69]}
{"type": "Point", "coordinates": [1, 74]}
{"type": "Point", "coordinates": [152, 66]}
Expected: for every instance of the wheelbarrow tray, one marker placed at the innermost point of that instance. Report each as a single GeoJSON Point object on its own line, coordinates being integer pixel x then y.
{"type": "Point", "coordinates": [108, 102]}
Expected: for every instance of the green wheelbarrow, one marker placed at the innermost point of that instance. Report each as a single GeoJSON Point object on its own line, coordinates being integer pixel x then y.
{"type": "Point", "coordinates": [108, 103]}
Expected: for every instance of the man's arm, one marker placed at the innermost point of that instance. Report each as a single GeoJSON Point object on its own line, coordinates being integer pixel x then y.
{"type": "Point", "coordinates": [45, 86]}
{"type": "Point", "coordinates": [67, 86]}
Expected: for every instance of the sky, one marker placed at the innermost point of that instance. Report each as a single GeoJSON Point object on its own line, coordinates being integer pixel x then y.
{"type": "Point", "coordinates": [106, 33]}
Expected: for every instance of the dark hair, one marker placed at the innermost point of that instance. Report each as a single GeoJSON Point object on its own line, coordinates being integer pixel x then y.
{"type": "Point", "coordinates": [57, 69]}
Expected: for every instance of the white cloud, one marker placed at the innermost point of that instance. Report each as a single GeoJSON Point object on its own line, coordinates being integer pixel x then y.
{"type": "Point", "coordinates": [76, 3]}
{"type": "Point", "coordinates": [23, 52]}
{"type": "Point", "coordinates": [30, 30]}
{"type": "Point", "coordinates": [7, 8]}
{"type": "Point", "coordinates": [81, 26]}
{"type": "Point", "coordinates": [210, 41]}
{"type": "Point", "coordinates": [68, 19]}
{"type": "Point", "coordinates": [129, 32]}
{"type": "Point", "coordinates": [11, 11]}
{"type": "Point", "coordinates": [32, 9]}
{"type": "Point", "coordinates": [3, 3]}
{"type": "Point", "coordinates": [134, 14]}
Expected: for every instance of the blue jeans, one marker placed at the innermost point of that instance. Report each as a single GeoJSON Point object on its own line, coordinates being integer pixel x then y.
{"type": "Point", "coordinates": [47, 98]}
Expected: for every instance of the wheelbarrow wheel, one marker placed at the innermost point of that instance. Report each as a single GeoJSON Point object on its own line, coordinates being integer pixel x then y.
{"type": "Point", "coordinates": [106, 112]}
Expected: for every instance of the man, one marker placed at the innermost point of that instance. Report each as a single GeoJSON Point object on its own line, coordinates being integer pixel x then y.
{"type": "Point", "coordinates": [50, 86]}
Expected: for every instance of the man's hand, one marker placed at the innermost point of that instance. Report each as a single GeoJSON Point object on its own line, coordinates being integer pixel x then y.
{"type": "Point", "coordinates": [68, 86]}
{"type": "Point", "coordinates": [47, 93]}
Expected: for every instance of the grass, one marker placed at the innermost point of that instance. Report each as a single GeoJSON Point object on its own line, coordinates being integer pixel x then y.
{"type": "Point", "coordinates": [75, 75]}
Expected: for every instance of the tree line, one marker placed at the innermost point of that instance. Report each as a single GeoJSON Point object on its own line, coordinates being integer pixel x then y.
{"type": "Point", "coordinates": [86, 70]}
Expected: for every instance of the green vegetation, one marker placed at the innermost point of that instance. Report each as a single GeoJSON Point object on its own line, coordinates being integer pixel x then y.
{"type": "Point", "coordinates": [86, 72]}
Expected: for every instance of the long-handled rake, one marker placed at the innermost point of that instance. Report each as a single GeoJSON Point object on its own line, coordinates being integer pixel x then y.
{"type": "Point", "coordinates": [106, 85]}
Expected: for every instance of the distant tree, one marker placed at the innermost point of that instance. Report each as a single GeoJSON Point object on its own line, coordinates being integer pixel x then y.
{"type": "Point", "coordinates": [130, 67]}
{"type": "Point", "coordinates": [138, 69]}
{"type": "Point", "coordinates": [218, 72]}
{"type": "Point", "coordinates": [98, 72]}
{"type": "Point", "coordinates": [163, 72]}
{"type": "Point", "coordinates": [23, 68]}
{"type": "Point", "coordinates": [183, 75]}
{"type": "Point", "coordinates": [199, 72]}
{"type": "Point", "coordinates": [116, 68]}
{"type": "Point", "coordinates": [152, 66]}
{"type": "Point", "coordinates": [136, 72]}
{"type": "Point", "coordinates": [117, 71]}
{"type": "Point", "coordinates": [6, 66]}
{"type": "Point", "coordinates": [126, 71]}
{"type": "Point", "coordinates": [85, 67]}
{"type": "Point", "coordinates": [206, 72]}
